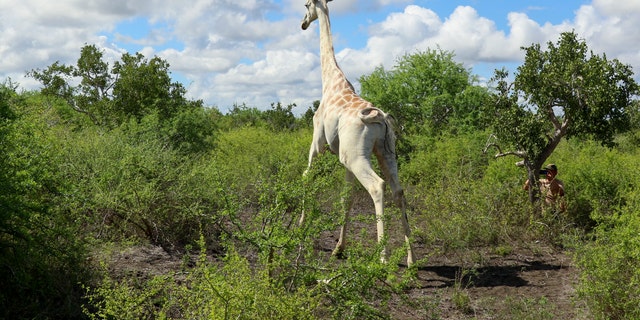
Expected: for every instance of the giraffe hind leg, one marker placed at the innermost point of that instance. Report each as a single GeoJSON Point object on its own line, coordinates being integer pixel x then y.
{"type": "Point", "coordinates": [389, 167]}
{"type": "Point", "coordinates": [375, 186]}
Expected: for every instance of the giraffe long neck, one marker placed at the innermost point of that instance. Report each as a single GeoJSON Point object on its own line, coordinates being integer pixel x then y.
{"type": "Point", "coordinates": [332, 75]}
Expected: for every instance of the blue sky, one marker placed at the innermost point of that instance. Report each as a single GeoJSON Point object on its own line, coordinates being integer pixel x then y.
{"type": "Point", "coordinates": [229, 52]}
{"type": "Point", "coordinates": [351, 26]}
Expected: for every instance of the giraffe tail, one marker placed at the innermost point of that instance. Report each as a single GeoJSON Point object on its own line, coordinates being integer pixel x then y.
{"type": "Point", "coordinates": [372, 115]}
{"type": "Point", "coordinates": [390, 136]}
{"type": "Point", "coordinates": [375, 115]}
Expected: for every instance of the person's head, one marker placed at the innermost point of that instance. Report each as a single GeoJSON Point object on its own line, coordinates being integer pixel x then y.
{"type": "Point", "coordinates": [552, 171]}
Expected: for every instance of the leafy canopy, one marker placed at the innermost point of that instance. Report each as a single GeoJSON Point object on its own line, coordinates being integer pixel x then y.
{"type": "Point", "coordinates": [563, 91]}
{"type": "Point", "coordinates": [132, 88]}
{"type": "Point", "coordinates": [428, 92]}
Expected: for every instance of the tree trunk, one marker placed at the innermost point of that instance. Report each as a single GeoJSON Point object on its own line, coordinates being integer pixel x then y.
{"type": "Point", "coordinates": [533, 174]}
{"type": "Point", "coordinates": [534, 184]}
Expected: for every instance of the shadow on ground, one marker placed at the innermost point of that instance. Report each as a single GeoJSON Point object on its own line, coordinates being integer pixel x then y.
{"type": "Point", "coordinates": [442, 276]}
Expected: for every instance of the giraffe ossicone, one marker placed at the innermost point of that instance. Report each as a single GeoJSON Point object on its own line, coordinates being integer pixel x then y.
{"type": "Point", "coordinates": [355, 130]}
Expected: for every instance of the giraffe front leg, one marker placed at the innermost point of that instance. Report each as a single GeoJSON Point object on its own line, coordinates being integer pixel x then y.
{"type": "Point", "coordinates": [317, 147]}
{"type": "Point", "coordinates": [345, 207]}
{"type": "Point", "coordinates": [338, 251]}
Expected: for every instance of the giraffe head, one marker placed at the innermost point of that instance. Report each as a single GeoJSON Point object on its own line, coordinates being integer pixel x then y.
{"type": "Point", "coordinates": [312, 14]}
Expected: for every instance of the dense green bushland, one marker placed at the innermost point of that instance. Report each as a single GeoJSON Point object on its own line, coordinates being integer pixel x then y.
{"type": "Point", "coordinates": [42, 261]}
{"type": "Point", "coordinates": [610, 274]}
{"type": "Point", "coordinates": [238, 202]}
{"type": "Point", "coordinates": [224, 192]}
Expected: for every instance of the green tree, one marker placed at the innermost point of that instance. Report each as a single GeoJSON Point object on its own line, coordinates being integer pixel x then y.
{"type": "Point", "coordinates": [564, 91]}
{"type": "Point", "coordinates": [193, 130]}
{"type": "Point", "coordinates": [428, 92]}
{"type": "Point", "coordinates": [280, 118]}
{"type": "Point", "coordinates": [93, 93]}
{"type": "Point", "coordinates": [9, 193]}
{"type": "Point", "coordinates": [133, 87]}
{"type": "Point", "coordinates": [307, 117]}
{"type": "Point", "coordinates": [144, 86]}
{"type": "Point", "coordinates": [240, 115]}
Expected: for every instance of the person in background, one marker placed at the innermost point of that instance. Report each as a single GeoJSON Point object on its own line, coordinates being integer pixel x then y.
{"type": "Point", "coordinates": [551, 188]}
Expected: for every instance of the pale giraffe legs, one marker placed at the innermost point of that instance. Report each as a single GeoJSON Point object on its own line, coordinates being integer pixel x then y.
{"type": "Point", "coordinates": [375, 186]}
{"type": "Point", "coordinates": [345, 204]}
{"type": "Point", "coordinates": [389, 167]}
{"type": "Point", "coordinates": [317, 147]}
{"type": "Point", "coordinates": [363, 171]}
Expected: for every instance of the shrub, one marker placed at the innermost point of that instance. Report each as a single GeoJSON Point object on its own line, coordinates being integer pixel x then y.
{"type": "Point", "coordinates": [41, 252]}
{"type": "Point", "coordinates": [230, 289]}
{"type": "Point", "coordinates": [129, 184]}
{"type": "Point", "coordinates": [462, 198]}
{"type": "Point", "coordinates": [610, 278]}
{"type": "Point", "coordinates": [191, 131]}
{"type": "Point", "coordinates": [449, 158]}
{"type": "Point", "coordinates": [594, 180]}
{"type": "Point", "coordinates": [271, 267]}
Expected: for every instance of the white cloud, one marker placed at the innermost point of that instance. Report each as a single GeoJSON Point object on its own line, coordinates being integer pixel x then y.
{"type": "Point", "coordinates": [400, 33]}
{"type": "Point", "coordinates": [286, 76]}
{"type": "Point", "coordinates": [609, 26]}
{"type": "Point", "coordinates": [36, 33]}
{"type": "Point", "coordinates": [622, 9]}
{"type": "Point", "coordinates": [345, 6]}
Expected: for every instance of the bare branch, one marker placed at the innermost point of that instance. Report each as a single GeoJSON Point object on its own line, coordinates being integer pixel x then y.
{"type": "Point", "coordinates": [500, 154]}
{"type": "Point", "coordinates": [328, 281]}
{"type": "Point", "coordinates": [75, 107]}
{"type": "Point", "coordinates": [490, 144]}
{"type": "Point", "coordinates": [520, 154]}
{"type": "Point", "coordinates": [486, 148]}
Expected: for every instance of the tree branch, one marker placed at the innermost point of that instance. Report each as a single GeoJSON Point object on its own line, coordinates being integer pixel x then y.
{"type": "Point", "coordinates": [551, 115]}
{"type": "Point", "coordinates": [75, 107]}
{"type": "Point", "coordinates": [520, 154]}
{"type": "Point", "coordinates": [490, 144]}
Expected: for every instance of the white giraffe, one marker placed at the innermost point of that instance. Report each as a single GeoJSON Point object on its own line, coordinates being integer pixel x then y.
{"type": "Point", "coordinates": [354, 130]}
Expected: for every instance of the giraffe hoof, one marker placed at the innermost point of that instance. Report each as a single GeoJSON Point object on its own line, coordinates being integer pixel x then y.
{"type": "Point", "coordinates": [409, 262]}
{"type": "Point", "coordinates": [410, 259]}
{"type": "Point", "coordinates": [338, 253]}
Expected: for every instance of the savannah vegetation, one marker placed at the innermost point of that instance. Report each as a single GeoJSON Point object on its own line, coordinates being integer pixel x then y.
{"type": "Point", "coordinates": [106, 158]}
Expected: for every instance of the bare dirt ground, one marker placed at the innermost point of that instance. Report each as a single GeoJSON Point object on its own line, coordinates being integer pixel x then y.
{"type": "Point", "coordinates": [533, 281]}
{"type": "Point", "coordinates": [521, 281]}
{"type": "Point", "coordinates": [525, 283]}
